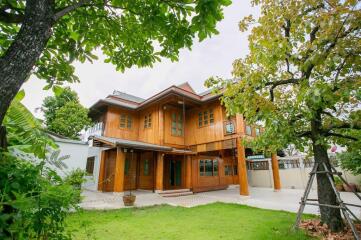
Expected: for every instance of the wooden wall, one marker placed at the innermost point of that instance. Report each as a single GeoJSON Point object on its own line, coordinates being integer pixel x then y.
{"type": "Point", "coordinates": [112, 128]}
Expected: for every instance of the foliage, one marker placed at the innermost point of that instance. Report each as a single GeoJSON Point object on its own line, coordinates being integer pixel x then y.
{"type": "Point", "coordinates": [351, 160]}
{"type": "Point", "coordinates": [304, 64]}
{"type": "Point", "coordinates": [338, 180]}
{"type": "Point", "coordinates": [51, 104]}
{"type": "Point", "coordinates": [302, 80]}
{"type": "Point", "coordinates": [25, 132]}
{"type": "Point", "coordinates": [34, 200]}
{"type": "Point", "coordinates": [64, 114]}
{"type": "Point", "coordinates": [211, 221]}
{"type": "Point", "coordinates": [76, 177]}
{"type": "Point", "coordinates": [129, 33]}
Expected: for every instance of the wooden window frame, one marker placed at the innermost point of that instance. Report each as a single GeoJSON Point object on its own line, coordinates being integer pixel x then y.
{"type": "Point", "coordinates": [148, 121]}
{"type": "Point", "coordinates": [249, 134]}
{"type": "Point", "coordinates": [204, 167]}
{"type": "Point", "coordinates": [125, 121]}
{"type": "Point", "coordinates": [90, 163]}
{"type": "Point", "coordinates": [146, 162]}
{"type": "Point", "coordinates": [177, 124]}
{"type": "Point", "coordinates": [206, 118]}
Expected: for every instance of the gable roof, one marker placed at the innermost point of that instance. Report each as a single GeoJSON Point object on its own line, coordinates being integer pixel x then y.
{"type": "Point", "coordinates": [132, 102]}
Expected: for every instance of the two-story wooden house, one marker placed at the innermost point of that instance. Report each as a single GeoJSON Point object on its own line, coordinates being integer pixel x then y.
{"type": "Point", "coordinates": [176, 139]}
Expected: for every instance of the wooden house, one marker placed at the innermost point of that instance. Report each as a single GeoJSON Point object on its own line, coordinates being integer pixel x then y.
{"type": "Point", "coordinates": [176, 139]}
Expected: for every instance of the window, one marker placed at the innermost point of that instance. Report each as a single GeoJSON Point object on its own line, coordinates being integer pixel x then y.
{"type": "Point", "coordinates": [235, 169]}
{"type": "Point", "coordinates": [229, 127]}
{"type": "Point", "coordinates": [248, 130]}
{"type": "Point", "coordinates": [208, 167]}
{"type": "Point", "coordinates": [126, 121]}
{"type": "Point", "coordinates": [258, 131]}
{"type": "Point", "coordinates": [177, 124]}
{"type": "Point", "coordinates": [127, 167]}
{"type": "Point", "coordinates": [227, 170]}
{"type": "Point", "coordinates": [205, 118]}
{"type": "Point", "coordinates": [90, 165]}
{"type": "Point", "coordinates": [148, 121]}
{"type": "Point", "coordinates": [146, 168]}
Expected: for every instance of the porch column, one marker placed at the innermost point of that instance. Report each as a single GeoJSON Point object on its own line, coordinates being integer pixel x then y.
{"type": "Point", "coordinates": [101, 171]}
{"type": "Point", "coordinates": [242, 169]}
{"type": "Point", "coordinates": [188, 172]}
{"type": "Point", "coordinates": [119, 171]}
{"type": "Point", "coordinates": [275, 172]}
{"type": "Point", "coordinates": [159, 172]}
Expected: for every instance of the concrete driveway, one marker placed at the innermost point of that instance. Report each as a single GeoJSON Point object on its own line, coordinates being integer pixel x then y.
{"type": "Point", "coordinates": [286, 199]}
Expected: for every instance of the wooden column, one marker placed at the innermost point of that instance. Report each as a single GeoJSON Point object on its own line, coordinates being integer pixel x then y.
{"type": "Point", "coordinates": [276, 172]}
{"type": "Point", "coordinates": [188, 172]}
{"type": "Point", "coordinates": [159, 172]}
{"type": "Point", "coordinates": [101, 171]}
{"type": "Point", "coordinates": [242, 169]}
{"type": "Point", "coordinates": [119, 171]}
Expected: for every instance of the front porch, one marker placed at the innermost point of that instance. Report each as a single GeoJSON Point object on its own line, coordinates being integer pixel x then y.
{"type": "Point", "coordinates": [267, 198]}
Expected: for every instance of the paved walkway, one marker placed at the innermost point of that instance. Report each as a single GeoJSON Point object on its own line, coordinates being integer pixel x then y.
{"type": "Point", "coordinates": [286, 199]}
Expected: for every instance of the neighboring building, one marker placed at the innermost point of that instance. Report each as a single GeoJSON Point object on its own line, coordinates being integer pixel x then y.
{"type": "Point", "coordinates": [77, 152]}
{"type": "Point", "coordinates": [176, 139]}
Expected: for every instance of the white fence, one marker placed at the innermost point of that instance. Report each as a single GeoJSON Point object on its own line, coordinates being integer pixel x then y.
{"type": "Point", "coordinates": [294, 173]}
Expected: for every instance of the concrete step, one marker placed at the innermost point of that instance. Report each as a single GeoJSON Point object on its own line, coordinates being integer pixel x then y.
{"type": "Point", "coordinates": [178, 194]}
{"type": "Point", "coordinates": [175, 191]}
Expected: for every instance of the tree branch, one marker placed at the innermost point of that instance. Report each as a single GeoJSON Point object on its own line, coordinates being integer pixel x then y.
{"type": "Point", "coordinates": [69, 9]}
{"type": "Point", "coordinates": [340, 136]}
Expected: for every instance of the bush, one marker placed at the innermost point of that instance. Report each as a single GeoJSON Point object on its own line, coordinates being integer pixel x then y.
{"type": "Point", "coordinates": [76, 178]}
{"type": "Point", "coordinates": [34, 200]}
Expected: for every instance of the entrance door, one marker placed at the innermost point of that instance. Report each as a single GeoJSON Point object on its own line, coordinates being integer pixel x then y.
{"type": "Point", "coordinates": [109, 173]}
{"type": "Point", "coordinates": [175, 173]}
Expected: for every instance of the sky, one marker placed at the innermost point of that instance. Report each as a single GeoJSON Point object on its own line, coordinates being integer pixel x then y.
{"type": "Point", "coordinates": [211, 57]}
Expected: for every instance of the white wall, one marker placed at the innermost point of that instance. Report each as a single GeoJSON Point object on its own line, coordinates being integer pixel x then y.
{"type": "Point", "coordinates": [295, 178]}
{"type": "Point", "coordinates": [92, 183]}
{"type": "Point", "coordinates": [78, 154]}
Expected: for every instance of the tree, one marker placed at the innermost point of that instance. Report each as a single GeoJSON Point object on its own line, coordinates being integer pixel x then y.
{"type": "Point", "coordinates": [301, 78]}
{"type": "Point", "coordinates": [64, 114]}
{"type": "Point", "coordinates": [44, 37]}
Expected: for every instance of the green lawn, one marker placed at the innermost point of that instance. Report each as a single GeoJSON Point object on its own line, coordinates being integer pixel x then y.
{"type": "Point", "coordinates": [213, 221]}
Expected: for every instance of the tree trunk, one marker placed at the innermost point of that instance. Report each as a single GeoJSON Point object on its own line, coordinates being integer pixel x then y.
{"type": "Point", "coordinates": [326, 195]}
{"type": "Point", "coordinates": [19, 59]}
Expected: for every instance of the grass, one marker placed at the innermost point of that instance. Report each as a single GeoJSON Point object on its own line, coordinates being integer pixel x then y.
{"type": "Point", "coordinates": [212, 221]}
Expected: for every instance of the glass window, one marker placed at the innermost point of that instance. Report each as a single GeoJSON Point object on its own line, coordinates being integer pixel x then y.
{"type": "Point", "coordinates": [211, 116]}
{"type": "Point", "coordinates": [127, 167]}
{"type": "Point", "coordinates": [177, 124]}
{"type": "Point", "coordinates": [122, 121]}
{"type": "Point", "coordinates": [200, 119]}
{"type": "Point", "coordinates": [148, 121]}
{"type": "Point", "coordinates": [230, 127]}
{"type": "Point", "coordinates": [227, 170]}
{"type": "Point", "coordinates": [248, 130]}
{"type": "Point", "coordinates": [258, 131]}
{"type": "Point", "coordinates": [129, 122]}
{"type": "Point", "coordinates": [201, 168]}
{"type": "Point", "coordinates": [235, 169]}
{"type": "Point", "coordinates": [90, 165]}
{"type": "Point", "coordinates": [215, 167]}
{"type": "Point", "coordinates": [205, 117]}
{"type": "Point", "coordinates": [209, 167]}
{"type": "Point", "coordinates": [126, 121]}
{"type": "Point", "coordinates": [146, 168]}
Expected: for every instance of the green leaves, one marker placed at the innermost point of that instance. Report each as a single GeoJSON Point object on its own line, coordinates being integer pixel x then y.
{"type": "Point", "coordinates": [128, 32]}
{"type": "Point", "coordinates": [64, 114]}
{"type": "Point", "coordinates": [315, 46]}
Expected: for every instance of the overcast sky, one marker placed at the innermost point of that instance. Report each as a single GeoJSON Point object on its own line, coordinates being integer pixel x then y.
{"type": "Point", "coordinates": [212, 57]}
